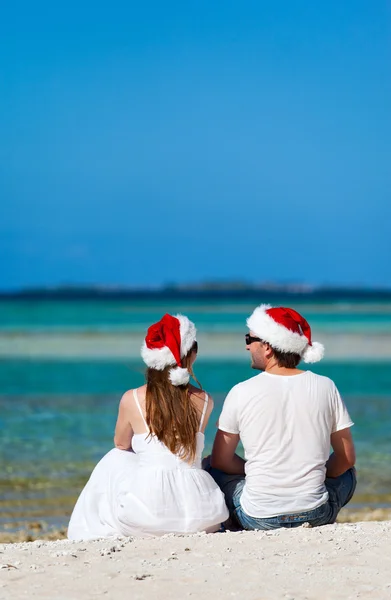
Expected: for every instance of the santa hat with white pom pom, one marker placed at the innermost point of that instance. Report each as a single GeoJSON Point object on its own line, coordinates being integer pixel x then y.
{"type": "Point", "coordinates": [285, 330]}
{"type": "Point", "coordinates": [166, 343]}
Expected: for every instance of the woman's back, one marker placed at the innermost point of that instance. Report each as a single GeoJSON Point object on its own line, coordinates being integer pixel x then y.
{"type": "Point", "coordinates": [150, 490]}
{"type": "Point", "coordinates": [152, 482]}
{"type": "Point", "coordinates": [155, 452]}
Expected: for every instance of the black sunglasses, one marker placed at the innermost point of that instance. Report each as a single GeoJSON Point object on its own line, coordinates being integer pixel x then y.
{"type": "Point", "coordinates": [250, 339]}
{"type": "Point", "coordinates": [195, 347]}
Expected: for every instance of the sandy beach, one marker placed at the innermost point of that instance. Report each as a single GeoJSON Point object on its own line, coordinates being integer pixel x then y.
{"type": "Point", "coordinates": [341, 561]}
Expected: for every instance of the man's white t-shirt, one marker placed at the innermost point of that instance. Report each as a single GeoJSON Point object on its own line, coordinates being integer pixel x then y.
{"type": "Point", "coordinates": [284, 423]}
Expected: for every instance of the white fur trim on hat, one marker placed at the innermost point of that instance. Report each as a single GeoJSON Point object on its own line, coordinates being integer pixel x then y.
{"type": "Point", "coordinates": [188, 333]}
{"type": "Point", "coordinates": [160, 358]}
{"type": "Point", "coordinates": [179, 376]}
{"type": "Point", "coordinates": [275, 334]}
{"type": "Point", "coordinates": [157, 358]}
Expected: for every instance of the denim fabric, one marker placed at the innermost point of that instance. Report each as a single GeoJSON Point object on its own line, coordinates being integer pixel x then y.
{"type": "Point", "coordinates": [340, 489]}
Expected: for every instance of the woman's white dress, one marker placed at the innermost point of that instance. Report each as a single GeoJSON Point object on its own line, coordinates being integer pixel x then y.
{"type": "Point", "coordinates": [148, 492]}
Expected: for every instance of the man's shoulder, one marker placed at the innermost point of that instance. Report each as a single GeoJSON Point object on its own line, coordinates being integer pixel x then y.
{"type": "Point", "coordinates": [322, 379]}
{"type": "Point", "coordinates": [242, 386]}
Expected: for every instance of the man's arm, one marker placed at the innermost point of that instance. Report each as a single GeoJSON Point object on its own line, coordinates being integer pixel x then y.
{"type": "Point", "coordinates": [344, 455]}
{"type": "Point", "coordinates": [223, 454]}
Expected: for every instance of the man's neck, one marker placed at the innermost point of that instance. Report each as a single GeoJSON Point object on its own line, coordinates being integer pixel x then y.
{"type": "Point", "coordinates": [275, 369]}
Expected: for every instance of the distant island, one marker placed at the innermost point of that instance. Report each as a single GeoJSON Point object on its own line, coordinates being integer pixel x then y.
{"type": "Point", "coordinates": [236, 290]}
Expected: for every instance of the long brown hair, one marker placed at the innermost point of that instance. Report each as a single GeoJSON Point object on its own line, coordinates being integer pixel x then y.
{"type": "Point", "coordinates": [171, 415]}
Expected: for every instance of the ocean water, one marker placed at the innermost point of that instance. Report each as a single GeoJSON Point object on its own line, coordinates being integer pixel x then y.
{"type": "Point", "coordinates": [62, 375]}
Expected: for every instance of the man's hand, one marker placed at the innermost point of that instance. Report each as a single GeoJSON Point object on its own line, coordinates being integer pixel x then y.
{"type": "Point", "coordinates": [223, 454]}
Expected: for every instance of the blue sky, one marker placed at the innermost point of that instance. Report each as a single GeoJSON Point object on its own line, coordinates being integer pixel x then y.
{"type": "Point", "coordinates": [144, 143]}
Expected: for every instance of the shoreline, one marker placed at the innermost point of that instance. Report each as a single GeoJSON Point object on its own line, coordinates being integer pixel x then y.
{"type": "Point", "coordinates": [340, 561]}
{"type": "Point", "coordinates": [41, 530]}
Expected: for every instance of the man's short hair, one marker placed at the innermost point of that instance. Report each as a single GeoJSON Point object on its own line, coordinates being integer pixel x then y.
{"type": "Point", "coordinates": [289, 360]}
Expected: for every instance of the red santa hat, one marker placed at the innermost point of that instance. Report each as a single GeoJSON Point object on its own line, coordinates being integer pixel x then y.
{"type": "Point", "coordinates": [285, 330]}
{"type": "Point", "coordinates": [166, 343]}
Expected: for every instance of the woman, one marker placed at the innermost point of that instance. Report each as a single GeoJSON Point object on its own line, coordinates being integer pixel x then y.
{"type": "Point", "coordinates": [152, 482]}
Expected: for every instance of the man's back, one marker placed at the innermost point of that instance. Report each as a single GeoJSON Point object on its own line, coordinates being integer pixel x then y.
{"type": "Point", "coordinates": [284, 423]}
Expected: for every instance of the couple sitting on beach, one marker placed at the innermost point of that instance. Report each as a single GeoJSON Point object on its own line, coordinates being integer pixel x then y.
{"type": "Point", "coordinates": [153, 482]}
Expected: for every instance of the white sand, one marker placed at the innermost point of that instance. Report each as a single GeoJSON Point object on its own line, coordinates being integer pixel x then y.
{"type": "Point", "coordinates": [342, 561]}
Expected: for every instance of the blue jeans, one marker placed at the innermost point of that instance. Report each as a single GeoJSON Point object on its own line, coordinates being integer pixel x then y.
{"type": "Point", "coordinates": [340, 489]}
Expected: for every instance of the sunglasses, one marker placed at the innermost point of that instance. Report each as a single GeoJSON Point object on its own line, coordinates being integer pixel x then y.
{"type": "Point", "coordinates": [195, 347]}
{"type": "Point", "coordinates": [250, 339]}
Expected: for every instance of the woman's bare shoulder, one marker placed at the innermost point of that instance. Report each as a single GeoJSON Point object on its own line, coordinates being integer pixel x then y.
{"type": "Point", "coordinates": [199, 395]}
{"type": "Point", "coordinates": [128, 396]}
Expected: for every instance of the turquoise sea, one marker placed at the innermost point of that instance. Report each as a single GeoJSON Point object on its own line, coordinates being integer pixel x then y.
{"type": "Point", "coordinates": [65, 364]}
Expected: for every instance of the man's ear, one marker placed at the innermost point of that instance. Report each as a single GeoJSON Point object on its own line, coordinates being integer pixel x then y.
{"type": "Point", "coordinates": [268, 350]}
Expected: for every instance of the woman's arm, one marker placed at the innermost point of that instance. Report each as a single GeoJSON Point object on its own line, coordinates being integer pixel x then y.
{"type": "Point", "coordinates": [123, 429]}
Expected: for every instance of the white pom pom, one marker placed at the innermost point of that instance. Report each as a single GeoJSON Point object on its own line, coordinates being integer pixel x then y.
{"type": "Point", "coordinates": [313, 353]}
{"type": "Point", "coordinates": [179, 376]}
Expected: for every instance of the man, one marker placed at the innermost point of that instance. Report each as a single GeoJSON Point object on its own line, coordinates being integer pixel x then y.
{"type": "Point", "coordinates": [286, 419]}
